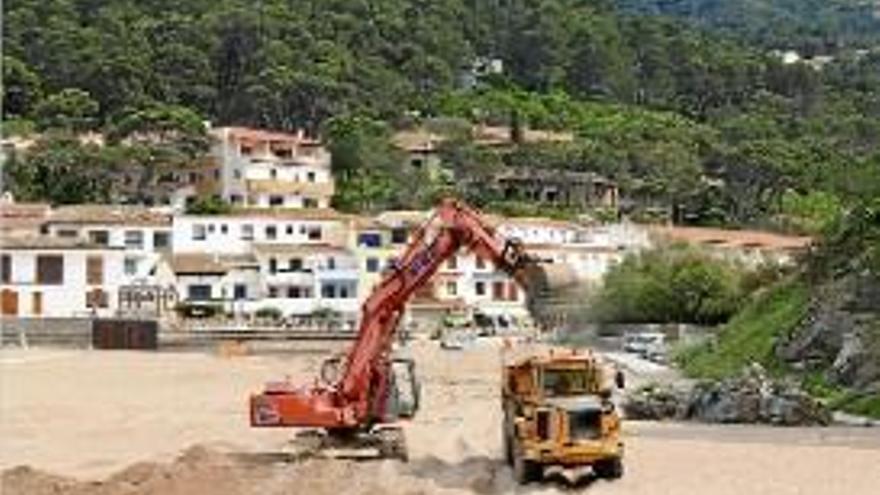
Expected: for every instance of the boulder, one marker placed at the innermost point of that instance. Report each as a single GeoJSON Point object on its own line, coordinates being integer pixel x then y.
{"type": "Point", "coordinates": [751, 397]}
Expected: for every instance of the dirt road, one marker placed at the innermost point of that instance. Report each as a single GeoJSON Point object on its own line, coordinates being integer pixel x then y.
{"type": "Point", "coordinates": [124, 418]}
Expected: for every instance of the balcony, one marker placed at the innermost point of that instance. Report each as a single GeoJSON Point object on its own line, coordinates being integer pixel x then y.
{"type": "Point", "coordinates": [275, 186]}
{"type": "Point", "coordinates": [298, 277]}
{"type": "Point", "coordinates": [338, 273]}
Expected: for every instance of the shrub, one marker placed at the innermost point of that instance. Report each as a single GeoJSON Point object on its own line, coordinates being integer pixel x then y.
{"type": "Point", "coordinates": [269, 312]}
{"type": "Point", "coordinates": [671, 285]}
{"type": "Point", "coordinates": [196, 310]}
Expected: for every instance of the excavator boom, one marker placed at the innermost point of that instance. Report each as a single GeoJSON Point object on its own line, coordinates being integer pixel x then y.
{"type": "Point", "coordinates": [357, 400]}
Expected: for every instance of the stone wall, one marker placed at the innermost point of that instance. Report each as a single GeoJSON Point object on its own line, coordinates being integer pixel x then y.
{"type": "Point", "coordinates": [50, 332]}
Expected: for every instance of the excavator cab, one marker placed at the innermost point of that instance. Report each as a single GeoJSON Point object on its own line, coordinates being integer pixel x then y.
{"type": "Point", "coordinates": [404, 390]}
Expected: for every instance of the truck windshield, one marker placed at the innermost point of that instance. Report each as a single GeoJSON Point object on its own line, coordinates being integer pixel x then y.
{"type": "Point", "coordinates": [565, 382]}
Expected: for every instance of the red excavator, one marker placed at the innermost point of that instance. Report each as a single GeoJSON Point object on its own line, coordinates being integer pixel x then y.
{"type": "Point", "coordinates": [363, 395]}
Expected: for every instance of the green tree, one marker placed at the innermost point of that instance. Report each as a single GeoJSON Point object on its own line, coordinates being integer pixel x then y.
{"type": "Point", "coordinates": [60, 170]}
{"type": "Point", "coordinates": [22, 88]}
{"type": "Point", "coordinates": [72, 110]}
{"type": "Point", "coordinates": [208, 205]}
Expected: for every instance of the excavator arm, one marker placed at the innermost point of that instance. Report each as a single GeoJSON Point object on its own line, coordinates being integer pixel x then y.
{"type": "Point", "coordinates": [357, 399]}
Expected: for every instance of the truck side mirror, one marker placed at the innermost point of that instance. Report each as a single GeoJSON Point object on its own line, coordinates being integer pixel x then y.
{"type": "Point", "coordinates": [619, 379]}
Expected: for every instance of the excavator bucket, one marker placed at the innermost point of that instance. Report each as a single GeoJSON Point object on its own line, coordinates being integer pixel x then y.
{"type": "Point", "coordinates": [547, 284]}
{"type": "Point", "coordinates": [546, 279]}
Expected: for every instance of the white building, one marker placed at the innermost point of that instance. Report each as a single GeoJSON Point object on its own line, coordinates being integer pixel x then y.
{"type": "Point", "coordinates": [296, 261]}
{"type": "Point", "coordinates": [272, 169]}
{"type": "Point", "coordinates": [58, 277]}
{"type": "Point", "coordinates": [142, 233]}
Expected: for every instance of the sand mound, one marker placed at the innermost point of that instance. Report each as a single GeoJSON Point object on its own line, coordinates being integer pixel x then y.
{"type": "Point", "coordinates": [202, 470]}
{"type": "Point", "coordinates": [198, 471]}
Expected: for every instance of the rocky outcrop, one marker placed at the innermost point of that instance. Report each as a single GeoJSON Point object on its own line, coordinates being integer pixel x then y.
{"type": "Point", "coordinates": [751, 397]}
{"type": "Point", "coordinates": [840, 334]}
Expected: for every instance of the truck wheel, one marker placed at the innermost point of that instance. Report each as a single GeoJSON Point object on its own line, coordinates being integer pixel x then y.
{"type": "Point", "coordinates": [610, 469]}
{"type": "Point", "coordinates": [524, 470]}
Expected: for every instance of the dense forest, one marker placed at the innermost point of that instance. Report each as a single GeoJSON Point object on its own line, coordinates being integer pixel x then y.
{"type": "Point", "coordinates": [809, 26]}
{"type": "Point", "coordinates": [711, 125]}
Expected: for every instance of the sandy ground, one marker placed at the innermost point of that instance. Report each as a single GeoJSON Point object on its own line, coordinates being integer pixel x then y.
{"type": "Point", "coordinates": [175, 423]}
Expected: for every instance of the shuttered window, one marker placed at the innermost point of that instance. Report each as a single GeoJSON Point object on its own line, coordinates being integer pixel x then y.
{"type": "Point", "coordinates": [94, 270]}
{"type": "Point", "coordinates": [50, 269]}
{"type": "Point", "coordinates": [96, 298]}
{"type": "Point", "coordinates": [37, 303]}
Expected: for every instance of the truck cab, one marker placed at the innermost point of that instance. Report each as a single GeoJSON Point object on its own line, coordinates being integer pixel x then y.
{"type": "Point", "coordinates": [558, 411]}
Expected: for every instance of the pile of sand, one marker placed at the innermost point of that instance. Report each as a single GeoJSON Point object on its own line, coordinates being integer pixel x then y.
{"type": "Point", "coordinates": [197, 471]}
{"type": "Point", "coordinates": [204, 471]}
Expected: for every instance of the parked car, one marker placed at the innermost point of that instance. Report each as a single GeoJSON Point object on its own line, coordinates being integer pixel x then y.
{"type": "Point", "coordinates": [640, 343]}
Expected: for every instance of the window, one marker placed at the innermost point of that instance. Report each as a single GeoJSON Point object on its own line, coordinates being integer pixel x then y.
{"type": "Point", "coordinates": [276, 200]}
{"type": "Point", "coordinates": [452, 263]}
{"type": "Point", "coordinates": [343, 292]}
{"type": "Point", "coordinates": [50, 269]}
{"type": "Point", "coordinates": [370, 239]}
{"type": "Point", "coordinates": [199, 292]}
{"type": "Point", "coordinates": [480, 288]}
{"type": "Point", "coordinates": [247, 232]}
{"type": "Point", "coordinates": [236, 199]}
{"type": "Point", "coordinates": [6, 268]}
{"type": "Point", "coordinates": [481, 263]}
{"type": "Point", "coordinates": [512, 292]}
{"type": "Point", "coordinates": [224, 229]}
{"type": "Point", "coordinates": [310, 177]}
{"type": "Point", "coordinates": [94, 270]}
{"type": "Point", "coordinates": [328, 291]}
{"type": "Point", "coordinates": [211, 228]}
{"type": "Point", "coordinates": [273, 173]}
{"type": "Point", "coordinates": [399, 235]}
{"type": "Point", "coordinates": [198, 232]}
{"type": "Point", "coordinates": [296, 292]}
{"type": "Point", "coordinates": [310, 203]}
{"type": "Point", "coordinates": [283, 152]}
{"type": "Point", "coordinates": [271, 232]}
{"type": "Point", "coordinates": [37, 303]}
{"type": "Point", "coordinates": [295, 264]}
{"type": "Point", "coordinates": [416, 162]}
{"type": "Point", "coordinates": [331, 263]}
{"type": "Point", "coordinates": [289, 229]}
{"type": "Point", "coordinates": [245, 150]}
{"type": "Point", "coordinates": [161, 239]}
{"type": "Point", "coordinates": [134, 239]}
{"type": "Point", "coordinates": [130, 266]}
{"type": "Point", "coordinates": [96, 298]}
{"type": "Point", "coordinates": [498, 291]}
{"type": "Point", "coordinates": [273, 292]}
{"type": "Point", "coordinates": [67, 233]}
{"type": "Point", "coordinates": [99, 237]}
{"type": "Point", "coordinates": [9, 302]}
{"type": "Point", "coordinates": [372, 265]}
{"type": "Point", "coordinates": [273, 265]}
{"type": "Point", "coordinates": [314, 233]}
{"type": "Point", "coordinates": [451, 289]}
{"type": "Point", "coordinates": [239, 292]}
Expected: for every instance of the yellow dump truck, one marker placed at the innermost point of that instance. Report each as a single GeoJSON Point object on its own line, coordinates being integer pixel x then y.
{"type": "Point", "coordinates": [558, 412]}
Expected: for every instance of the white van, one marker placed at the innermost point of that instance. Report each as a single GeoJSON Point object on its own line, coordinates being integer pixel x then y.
{"type": "Point", "coordinates": [643, 342]}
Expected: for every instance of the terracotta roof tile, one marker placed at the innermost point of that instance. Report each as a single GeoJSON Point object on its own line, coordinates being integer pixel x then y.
{"type": "Point", "coordinates": [48, 242]}
{"type": "Point", "coordinates": [197, 263]}
{"type": "Point", "coordinates": [109, 214]}
{"type": "Point", "coordinates": [722, 238]}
